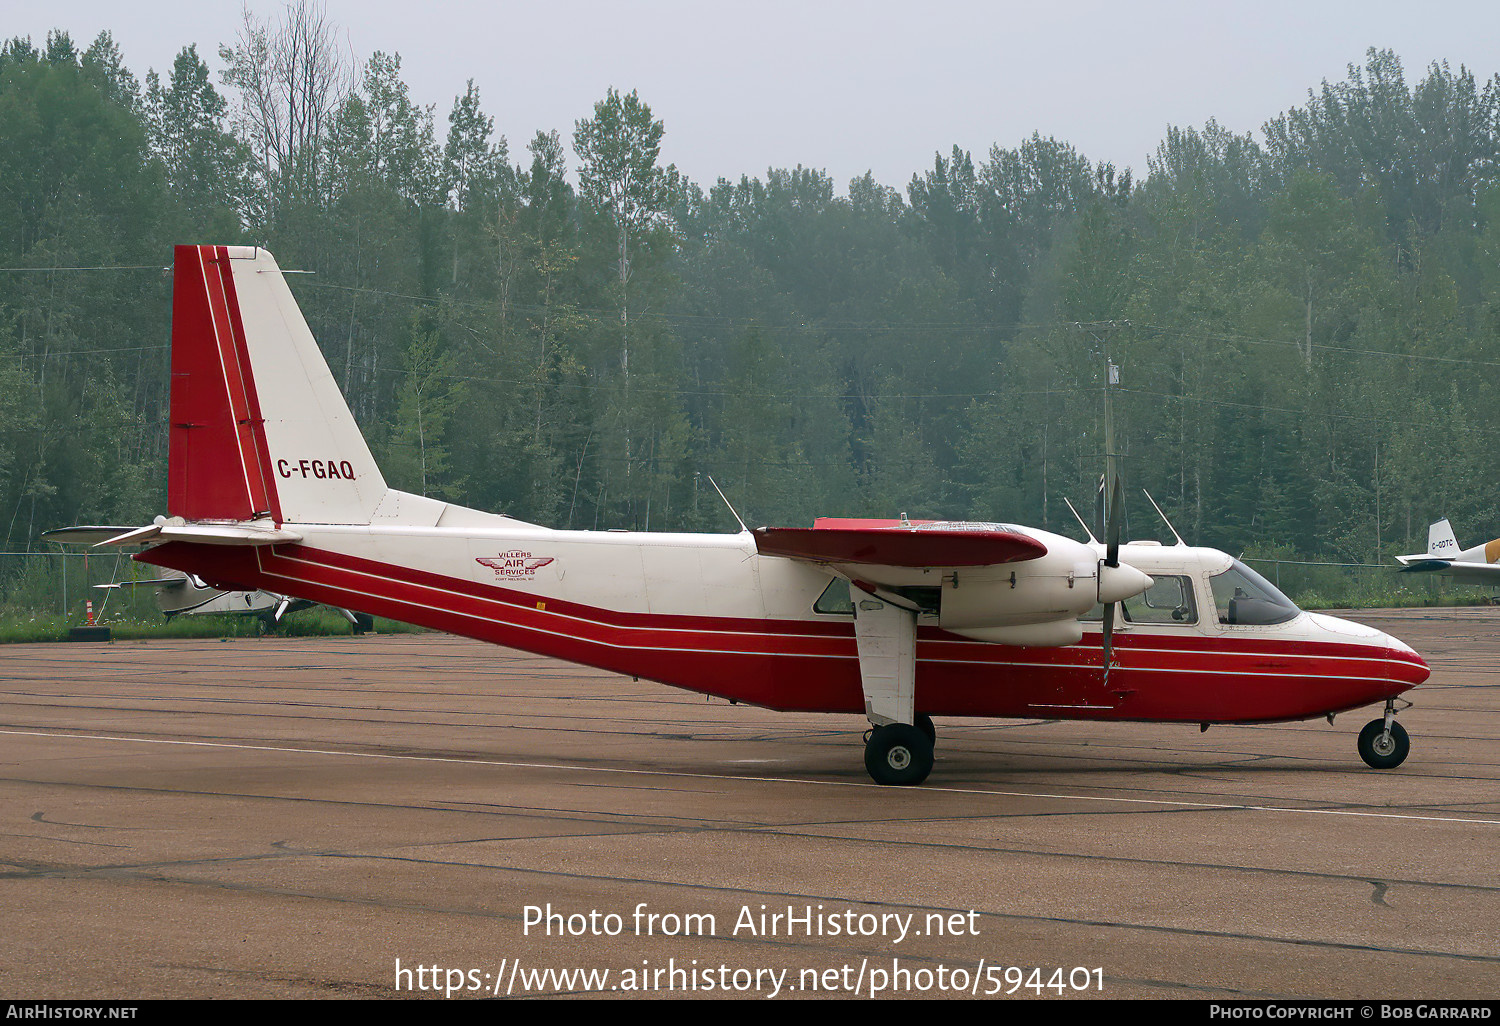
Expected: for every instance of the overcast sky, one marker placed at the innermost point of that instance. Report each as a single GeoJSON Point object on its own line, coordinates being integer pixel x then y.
{"type": "Point", "coordinates": [841, 85]}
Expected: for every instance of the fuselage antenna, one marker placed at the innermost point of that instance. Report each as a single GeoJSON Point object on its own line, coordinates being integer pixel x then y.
{"type": "Point", "coordinates": [1164, 519]}
{"type": "Point", "coordinates": [1082, 524]}
{"type": "Point", "coordinates": [743, 528]}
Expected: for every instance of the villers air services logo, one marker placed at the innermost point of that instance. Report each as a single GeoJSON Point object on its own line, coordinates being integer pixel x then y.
{"type": "Point", "coordinates": [514, 564]}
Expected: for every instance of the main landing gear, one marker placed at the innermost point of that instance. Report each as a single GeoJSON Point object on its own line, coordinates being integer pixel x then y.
{"type": "Point", "coordinates": [898, 748]}
{"type": "Point", "coordinates": [900, 753]}
{"type": "Point", "coordinates": [1383, 744]}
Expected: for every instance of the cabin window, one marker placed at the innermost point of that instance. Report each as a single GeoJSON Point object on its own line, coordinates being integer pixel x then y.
{"type": "Point", "coordinates": [835, 599]}
{"type": "Point", "coordinates": [1169, 601]}
{"type": "Point", "coordinates": [1243, 598]}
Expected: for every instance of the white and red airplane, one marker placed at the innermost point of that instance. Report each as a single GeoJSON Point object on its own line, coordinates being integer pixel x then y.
{"type": "Point", "coordinates": [271, 487]}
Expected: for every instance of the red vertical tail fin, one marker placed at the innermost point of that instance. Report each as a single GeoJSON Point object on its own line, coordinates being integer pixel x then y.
{"type": "Point", "coordinates": [218, 466]}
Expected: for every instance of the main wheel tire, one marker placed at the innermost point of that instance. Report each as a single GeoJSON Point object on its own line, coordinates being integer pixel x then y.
{"type": "Point", "coordinates": [924, 723]}
{"type": "Point", "coordinates": [1382, 751]}
{"type": "Point", "coordinates": [898, 753]}
{"type": "Point", "coordinates": [363, 622]}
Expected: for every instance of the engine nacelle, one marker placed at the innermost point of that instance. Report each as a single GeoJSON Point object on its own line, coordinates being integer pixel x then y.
{"type": "Point", "coordinates": [1052, 634]}
{"type": "Point", "coordinates": [1038, 591]}
{"type": "Point", "coordinates": [1045, 595]}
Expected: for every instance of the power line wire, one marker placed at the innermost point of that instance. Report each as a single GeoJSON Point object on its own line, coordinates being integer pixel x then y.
{"type": "Point", "coordinates": [105, 267]}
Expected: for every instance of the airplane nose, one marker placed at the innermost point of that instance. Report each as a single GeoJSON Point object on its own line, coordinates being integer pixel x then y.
{"type": "Point", "coordinates": [1410, 667]}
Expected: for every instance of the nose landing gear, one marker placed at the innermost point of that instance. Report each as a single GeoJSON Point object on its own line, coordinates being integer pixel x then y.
{"type": "Point", "coordinates": [1383, 744]}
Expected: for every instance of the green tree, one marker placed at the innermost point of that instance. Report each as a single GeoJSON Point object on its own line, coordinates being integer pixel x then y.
{"type": "Point", "coordinates": [417, 452]}
{"type": "Point", "coordinates": [204, 163]}
{"type": "Point", "coordinates": [291, 78]}
{"type": "Point", "coordinates": [621, 181]}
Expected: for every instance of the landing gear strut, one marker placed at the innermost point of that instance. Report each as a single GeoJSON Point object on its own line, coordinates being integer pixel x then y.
{"type": "Point", "coordinates": [898, 753]}
{"type": "Point", "coordinates": [898, 748]}
{"type": "Point", "coordinates": [1383, 743]}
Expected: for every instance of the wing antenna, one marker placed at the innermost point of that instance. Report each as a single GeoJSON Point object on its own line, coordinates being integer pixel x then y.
{"type": "Point", "coordinates": [743, 528]}
{"type": "Point", "coordinates": [1081, 522]}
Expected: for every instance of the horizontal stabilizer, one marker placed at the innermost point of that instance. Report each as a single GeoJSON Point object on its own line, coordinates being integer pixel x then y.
{"type": "Point", "coordinates": [899, 547]}
{"type": "Point", "coordinates": [138, 535]}
{"type": "Point", "coordinates": [90, 534]}
{"type": "Point", "coordinates": [204, 534]}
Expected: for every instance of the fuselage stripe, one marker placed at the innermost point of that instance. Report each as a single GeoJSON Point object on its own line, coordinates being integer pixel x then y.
{"type": "Point", "coordinates": [596, 631]}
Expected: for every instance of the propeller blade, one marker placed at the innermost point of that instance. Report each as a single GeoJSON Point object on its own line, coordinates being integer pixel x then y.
{"type": "Point", "coordinates": [1099, 523]}
{"type": "Point", "coordinates": [1109, 630]}
{"type": "Point", "coordinates": [1115, 506]}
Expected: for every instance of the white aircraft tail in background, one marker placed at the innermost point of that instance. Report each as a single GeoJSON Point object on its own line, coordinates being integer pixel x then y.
{"type": "Point", "coordinates": [1478, 565]}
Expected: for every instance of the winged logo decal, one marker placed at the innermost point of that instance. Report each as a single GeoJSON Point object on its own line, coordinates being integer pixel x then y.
{"type": "Point", "coordinates": [514, 564]}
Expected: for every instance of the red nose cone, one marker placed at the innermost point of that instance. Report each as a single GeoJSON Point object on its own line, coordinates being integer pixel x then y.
{"type": "Point", "coordinates": [1408, 667]}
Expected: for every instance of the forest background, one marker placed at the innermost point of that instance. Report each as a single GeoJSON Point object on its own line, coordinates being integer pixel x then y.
{"type": "Point", "coordinates": [1307, 321]}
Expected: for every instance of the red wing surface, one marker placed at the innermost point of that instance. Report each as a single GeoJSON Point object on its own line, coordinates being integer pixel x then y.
{"type": "Point", "coordinates": [898, 547]}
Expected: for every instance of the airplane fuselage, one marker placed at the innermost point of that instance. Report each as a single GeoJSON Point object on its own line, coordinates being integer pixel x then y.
{"type": "Point", "coordinates": [709, 614]}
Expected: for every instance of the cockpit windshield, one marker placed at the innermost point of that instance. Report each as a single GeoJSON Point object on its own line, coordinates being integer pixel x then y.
{"type": "Point", "coordinates": [1245, 598]}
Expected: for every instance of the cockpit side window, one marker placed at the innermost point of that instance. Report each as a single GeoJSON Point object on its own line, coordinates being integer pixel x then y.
{"type": "Point", "coordinates": [1243, 597]}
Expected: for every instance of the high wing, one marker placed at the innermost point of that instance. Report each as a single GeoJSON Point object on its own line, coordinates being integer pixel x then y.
{"type": "Point", "coordinates": [921, 546]}
{"type": "Point", "coordinates": [989, 582]}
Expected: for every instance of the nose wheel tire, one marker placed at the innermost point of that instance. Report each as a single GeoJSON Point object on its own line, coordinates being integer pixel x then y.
{"type": "Point", "coordinates": [1382, 750]}
{"type": "Point", "coordinates": [898, 753]}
